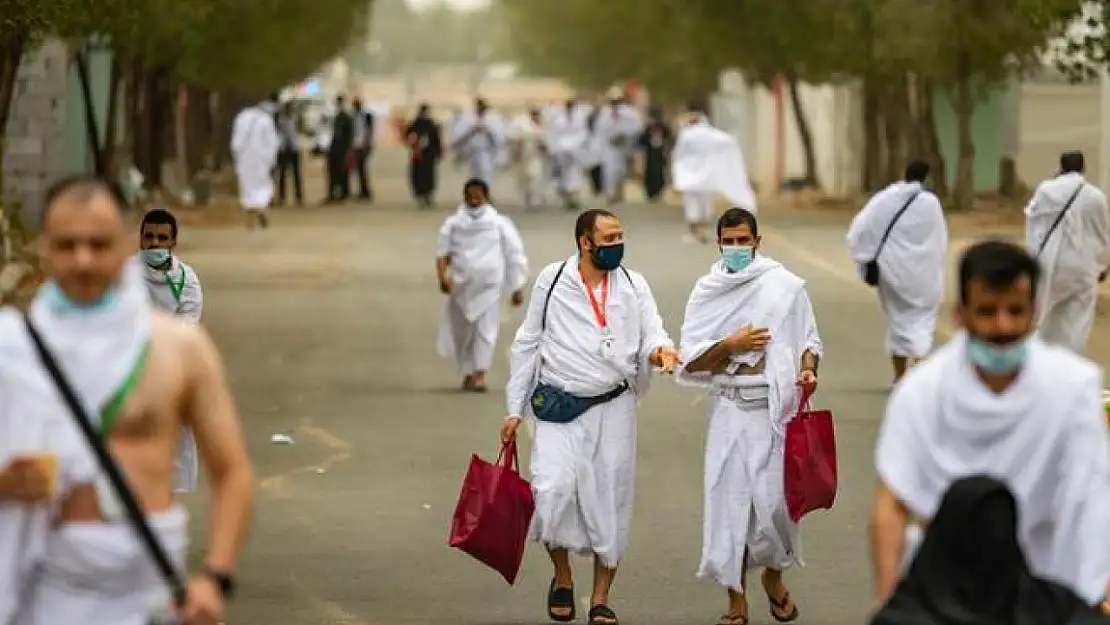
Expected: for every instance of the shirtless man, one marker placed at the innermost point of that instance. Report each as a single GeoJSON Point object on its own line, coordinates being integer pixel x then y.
{"type": "Point", "coordinates": [163, 373]}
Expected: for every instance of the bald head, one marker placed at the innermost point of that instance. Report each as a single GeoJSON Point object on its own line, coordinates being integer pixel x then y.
{"type": "Point", "coordinates": [86, 243]}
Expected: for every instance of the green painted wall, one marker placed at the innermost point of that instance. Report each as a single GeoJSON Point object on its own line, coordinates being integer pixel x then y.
{"type": "Point", "coordinates": [78, 158]}
{"type": "Point", "coordinates": [990, 130]}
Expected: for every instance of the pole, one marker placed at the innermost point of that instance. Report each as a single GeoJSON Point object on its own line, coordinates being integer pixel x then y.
{"type": "Point", "coordinates": [1104, 127]}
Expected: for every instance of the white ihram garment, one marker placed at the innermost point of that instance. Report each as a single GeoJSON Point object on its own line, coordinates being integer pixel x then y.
{"type": "Point", "coordinates": [188, 307]}
{"type": "Point", "coordinates": [254, 144]}
{"type": "Point", "coordinates": [745, 508]}
{"type": "Point", "coordinates": [707, 162]}
{"type": "Point", "coordinates": [530, 139]}
{"type": "Point", "coordinates": [482, 139]}
{"type": "Point", "coordinates": [583, 472]}
{"type": "Point", "coordinates": [911, 264]}
{"type": "Point", "coordinates": [486, 259]}
{"type": "Point", "coordinates": [569, 139]}
{"type": "Point", "coordinates": [621, 124]}
{"type": "Point", "coordinates": [1072, 258]}
{"type": "Point", "coordinates": [1045, 437]}
{"type": "Point", "coordinates": [89, 573]}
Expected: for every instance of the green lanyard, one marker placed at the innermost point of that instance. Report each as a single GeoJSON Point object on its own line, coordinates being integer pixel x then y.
{"type": "Point", "coordinates": [111, 411]}
{"type": "Point", "coordinates": [176, 289]}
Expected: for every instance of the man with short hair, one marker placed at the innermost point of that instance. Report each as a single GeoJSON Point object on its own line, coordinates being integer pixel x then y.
{"type": "Point", "coordinates": [363, 143]}
{"type": "Point", "coordinates": [143, 375]}
{"type": "Point", "coordinates": [1067, 227]}
{"type": "Point", "coordinates": [581, 359]}
{"type": "Point", "coordinates": [901, 233]}
{"type": "Point", "coordinates": [480, 256]}
{"type": "Point", "coordinates": [174, 288]}
{"type": "Point", "coordinates": [750, 337]}
{"type": "Point", "coordinates": [481, 137]}
{"type": "Point", "coordinates": [255, 144]}
{"type": "Point", "coordinates": [289, 154]}
{"type": "Point", "coordinates": [998, 401]}
{"type": "Point", "coordinates": [618, 126]}
{"type": "Point", "coordinates": [339, 153]}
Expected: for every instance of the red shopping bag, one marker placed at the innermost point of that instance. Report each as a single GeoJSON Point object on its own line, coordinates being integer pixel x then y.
{"type": "Point", "coordinates": [493, 514]}
{"type": "Point", "coordinates": [809, 477]}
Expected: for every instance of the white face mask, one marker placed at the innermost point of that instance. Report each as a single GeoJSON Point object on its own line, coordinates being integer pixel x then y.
{"type": "Point", "coordinates": [155, 257]}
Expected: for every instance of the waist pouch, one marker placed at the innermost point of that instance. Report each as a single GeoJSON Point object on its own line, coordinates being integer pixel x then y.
{"type": "Point", "coordinates": [554, 405]}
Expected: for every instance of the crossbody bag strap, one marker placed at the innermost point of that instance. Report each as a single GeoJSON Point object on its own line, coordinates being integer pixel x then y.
{"type": "Point", "coordinates": [170, 575]}
{"type": "Point", "coordinates": [1059, 218]}
{"type": "Point", "coordinates": [550, 290]}
{"type": "Point", "coordinates": [890, 228]}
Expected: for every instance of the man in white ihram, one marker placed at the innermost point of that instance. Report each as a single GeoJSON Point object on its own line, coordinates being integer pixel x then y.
{"type": "Point", "coordinates": [997, 401]}
{"type": "Point", "coordinates": [618, 126]}
{"type": "Point", "coordinates": [581, 359]}
{"type": "Point", "coordinates": [569, 138]}
{"type": "Point", "coordinates": [750, 337]}
{"type": "Point", "coordinates": [529, 151]}
{"type": "Point", "coordinates": [481, 137]}
{"type": "Point", "coordinates": [480, 255]}
{"type": "Point", "coordinates": [705, 163]}
{"type": "Point", "coordinates": [67, 551]}
{"type": "Point", "coordinates": [910, 262]}
{"type": "Point", "coordinates": [254, 145]}
{"type": "Point", "coordinates": [174, 288]}
{"type": "Point", "coordinates": [1067, 227]}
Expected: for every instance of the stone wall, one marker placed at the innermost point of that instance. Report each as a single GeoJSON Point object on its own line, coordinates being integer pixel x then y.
{"type": "Point", "coordinates": [34, 140]}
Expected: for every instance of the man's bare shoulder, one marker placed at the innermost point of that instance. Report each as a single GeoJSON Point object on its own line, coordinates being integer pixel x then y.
{"type": "Point", "coordinates": [189, 339]}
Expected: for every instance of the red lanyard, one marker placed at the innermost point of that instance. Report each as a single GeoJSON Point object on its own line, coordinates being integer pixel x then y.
{"type": "Point", "coordinates": [599, 308]}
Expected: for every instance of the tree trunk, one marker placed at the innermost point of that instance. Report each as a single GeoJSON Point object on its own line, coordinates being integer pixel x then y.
{"type": "Point", "coordinates": [156, 116]}
{"type": "Point", "coordinates": [138, 103]}
{"type": "Point", "coordinates": [111, 127]}
{"type": "Point", "coordinates": [964, 108]}
{"type": "Point", "coordinates": [805, 132]}
{"type": "Point", "coordinates": [198, 129]}
{"type": "Point", "coordinates": [930, 142]}
{"type": "Point", "coordinates": [11, 55]}
{"type": "Point", "coordinates": [872, 143]}
{"type": "Point", "coordinates": [92, 127]}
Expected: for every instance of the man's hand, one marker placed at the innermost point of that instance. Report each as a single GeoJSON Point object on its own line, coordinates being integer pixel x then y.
{"type": "Point", "coordinates": [808, 381]}
{"type": "Point", "coordinates": [749, 339]}
{"type": "Point", "coordinates": [28, 479]}
{"type": "Point", "coordinates": [1102, 277]}
{"type": "Point", "coordinates": [508, 429]}
{"type": "Point", "coordinates": [445, 286]}
{"type": "Point", "coordinates": [204, 604]}
{"type": "Point", "coordinates": [517, 298]}
{"type": "Point", "coordinates": [664, 358]}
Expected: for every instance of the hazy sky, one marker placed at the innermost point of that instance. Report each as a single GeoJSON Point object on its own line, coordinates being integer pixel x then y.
{"type": "Point", "coordinates": [461, 4]}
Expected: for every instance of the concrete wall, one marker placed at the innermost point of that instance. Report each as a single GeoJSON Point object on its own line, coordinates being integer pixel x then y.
{"type": "Point", "coordinates": [989, 129]}
{"type": "Point", "coordinates": [34, 140]}
{"type": "Point", "coordinates": [1056, 118]}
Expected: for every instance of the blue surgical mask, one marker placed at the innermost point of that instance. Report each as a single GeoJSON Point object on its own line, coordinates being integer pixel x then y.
{"type": "Point", "coordinates": [608, 257]}
{"type": "Point", "coordinates": [155, 257]}
{"type": "Point", "coordinates": [737, 257]}
{"type": "Point", "coordinates": [60, 303]}
{"type": "Point", "coordinates": [997, 359]}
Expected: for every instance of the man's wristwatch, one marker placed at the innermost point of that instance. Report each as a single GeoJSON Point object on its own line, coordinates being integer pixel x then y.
{"type": "Point", "coordinates": [224, 581]}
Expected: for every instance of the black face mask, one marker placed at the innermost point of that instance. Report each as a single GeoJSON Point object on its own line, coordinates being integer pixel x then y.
{"type": "Point", "coordinates": [607, 257]}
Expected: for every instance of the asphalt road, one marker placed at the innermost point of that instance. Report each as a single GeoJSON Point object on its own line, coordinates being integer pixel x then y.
{"type": "Point", "coordinates": [327, 323]}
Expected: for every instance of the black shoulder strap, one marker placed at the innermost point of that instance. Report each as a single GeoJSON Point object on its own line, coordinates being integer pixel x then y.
{"type": "Point", "coordinates": [550, 290]}
{"type": "Point", "coordinates": [555, 280]}
{"type": "Point", "coordinates": [170, 575]}
{"type": "Point", "coordinates": [889, 228]}
{"type": "Point", "coordinates": [1059, 218]}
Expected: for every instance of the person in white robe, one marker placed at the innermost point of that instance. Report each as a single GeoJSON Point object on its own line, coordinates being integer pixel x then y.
{"type": "Point", "coordinates": [254, 146]}
{"type": "Point", "coordinates": [173, 287]}
{"type": "Point", "coordinates": [1067, 227]}
{"type": "Point", "coordinates": [569, 138]}
{"type": "Point", "coordinates": [706, 163]}
{"type": "Point", "coordinates": [479, 256]}
{"type": "Point", "coordinates": [911, 262]}
{"type": "Point", "coordinates": [529, 150]}
{"type": "Point", "coordinates": [750, 337]}
{"type": "Point", "coordinates": [480, 136]}
{"type": "Point", "coordinates": [617, 128]}
{"type": "Point", "coordinates": [588, 343]}
{"type": "Point", "coordinates": [999, 402]}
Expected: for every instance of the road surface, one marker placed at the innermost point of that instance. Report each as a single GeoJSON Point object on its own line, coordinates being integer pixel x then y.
{"type": "Point", "coordinates": [327, 323]}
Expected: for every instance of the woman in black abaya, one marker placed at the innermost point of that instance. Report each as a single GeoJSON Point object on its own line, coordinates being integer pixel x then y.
{"type": "Point", "coordinates": [970, 570]}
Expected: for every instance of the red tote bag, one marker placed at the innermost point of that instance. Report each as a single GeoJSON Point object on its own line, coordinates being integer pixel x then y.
{"type": "Point", "coordinates": [493, 514]}
{"type": "Point", "coordinates": [809, 477]}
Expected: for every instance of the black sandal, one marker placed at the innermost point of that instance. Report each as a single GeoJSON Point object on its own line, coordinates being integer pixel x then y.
{"type": "Point", "coordinates": [560, 598]}
{"type": "Point", "coordinates": [780, 605]}
{"type": "Point", "coordinates": [602, 614]}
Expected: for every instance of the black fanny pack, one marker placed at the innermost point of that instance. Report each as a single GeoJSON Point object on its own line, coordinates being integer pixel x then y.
{"type": "Point", "coordinates": [554, 405]}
